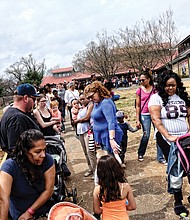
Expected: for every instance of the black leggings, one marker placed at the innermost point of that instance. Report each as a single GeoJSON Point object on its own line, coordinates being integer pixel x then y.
{"type": "Point", "coordinates": [165, 147]}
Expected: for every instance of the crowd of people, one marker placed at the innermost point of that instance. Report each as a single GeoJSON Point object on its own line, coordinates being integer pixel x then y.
{"type": "Point", "coordinates": [27, 177]}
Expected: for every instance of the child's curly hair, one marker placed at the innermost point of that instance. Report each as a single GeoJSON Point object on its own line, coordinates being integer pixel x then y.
{"type": "Point", "coordinates": [97, 86]}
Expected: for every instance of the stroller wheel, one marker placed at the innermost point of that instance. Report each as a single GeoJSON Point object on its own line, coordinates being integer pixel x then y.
{"type": "Point", "coordinates": [74, 195]}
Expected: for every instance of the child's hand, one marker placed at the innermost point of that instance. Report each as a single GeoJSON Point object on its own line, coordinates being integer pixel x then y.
{"type": "Point", "coordinates": [138, 124]}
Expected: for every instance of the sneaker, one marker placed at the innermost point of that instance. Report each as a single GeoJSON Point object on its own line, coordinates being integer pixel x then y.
{"type": "Point", "coordinates": [181, 210]}
{"type": "Point", "coordinates": [88, 173]}
{"type": "Point", "coordinates": [140, 158]}
{"type": "Point", "coordinates": [162, 162]}
{"type": "Point", "coordinates": [123, 165]}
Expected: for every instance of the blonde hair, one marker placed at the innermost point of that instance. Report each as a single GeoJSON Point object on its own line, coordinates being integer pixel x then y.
{"type": "Point", "coordinates": [40, 97]}
{"type": "Point", "coordinates": [54, 103]}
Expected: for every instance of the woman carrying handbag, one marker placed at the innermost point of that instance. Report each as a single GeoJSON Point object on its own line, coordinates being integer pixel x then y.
{"type": "Point", "coordinates": [143, 94]}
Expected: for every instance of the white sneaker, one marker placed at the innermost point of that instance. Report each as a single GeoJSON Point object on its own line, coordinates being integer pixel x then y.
{"type": "Point", "coordinates": [123, 165]}
{"type": "Point", "coordinates": [88, 173]}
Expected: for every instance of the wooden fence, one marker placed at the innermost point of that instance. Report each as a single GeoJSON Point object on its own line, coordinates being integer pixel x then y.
{"type": "Point", "coordinates": [6, 100]}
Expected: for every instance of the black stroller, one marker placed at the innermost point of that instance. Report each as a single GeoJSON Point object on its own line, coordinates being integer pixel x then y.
{"type": "Point", "coordinates": [55, 147]}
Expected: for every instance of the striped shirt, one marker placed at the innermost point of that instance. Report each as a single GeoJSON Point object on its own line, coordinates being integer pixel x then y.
{"type": "Point", "coordinates": [173, 115]}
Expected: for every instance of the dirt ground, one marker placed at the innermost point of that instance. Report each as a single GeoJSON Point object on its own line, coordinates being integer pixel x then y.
{"type": "Point", "coordinates": [147, 178]}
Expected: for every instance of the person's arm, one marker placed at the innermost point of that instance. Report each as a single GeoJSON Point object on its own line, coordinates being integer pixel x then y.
{"type": "Point", "coordinates": [59, 116]}
{"type": "Point", "coordinates": [96, 202]}
{"type": "Point", "coordinates": [87, 116]}
{"type": "Point", "coordinates": [138, 110]}
{"type": "Point", "coordinates": [130, 128]}
{"type": "Point", "coordinates": [155, 112]}
{"type": "Point", "coordinates": [40, 120]}
{"type": "Point", "coordinates": [109, 113]}
{"type": "Point", "coordinates": [6, 181]}
{"type": "Point", "coordinates": [66, 97]}
{"type": "Point", "coordinates": [49, 176]}
{"type": "Point", "coordinates": [131, 200]}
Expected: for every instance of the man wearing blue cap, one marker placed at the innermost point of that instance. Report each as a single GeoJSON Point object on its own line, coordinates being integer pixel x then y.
{"type": "Point", "coordinates": [17, 118]}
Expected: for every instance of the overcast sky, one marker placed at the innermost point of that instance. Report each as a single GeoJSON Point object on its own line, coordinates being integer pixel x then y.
{"type": "Point", "coordinates": [57, 29]}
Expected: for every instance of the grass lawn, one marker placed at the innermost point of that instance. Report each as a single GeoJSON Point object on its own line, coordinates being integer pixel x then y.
{"type": "Point", "coordinates": [126, 102]}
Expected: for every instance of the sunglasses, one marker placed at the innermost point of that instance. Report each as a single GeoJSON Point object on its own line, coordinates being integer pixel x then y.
{"type": "Point", "coordinates": [141, 80]}
{"type": "Point", "coordinates": [91, 96]}
{"type": "Point", "coordinates": [33, 98]}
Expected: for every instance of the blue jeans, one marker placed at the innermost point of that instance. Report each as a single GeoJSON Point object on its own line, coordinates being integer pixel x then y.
{"type": "Point", "coordinates": [146, 126]}
{"type": "Point", "coordinates": [160, 156]}
{"type": "Point", "coordinates": [174, 170]}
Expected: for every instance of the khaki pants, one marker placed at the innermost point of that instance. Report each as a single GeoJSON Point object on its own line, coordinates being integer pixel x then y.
{"type": "Point", "coordinates": [89, 154]}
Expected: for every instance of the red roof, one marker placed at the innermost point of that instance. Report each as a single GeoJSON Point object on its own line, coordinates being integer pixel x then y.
{"type": "Point", "coordinates": [62, 70]}
{"type": "Point", "coordinates": [82, 75]}
{"type": "Point", "coordinates": [53, 80]}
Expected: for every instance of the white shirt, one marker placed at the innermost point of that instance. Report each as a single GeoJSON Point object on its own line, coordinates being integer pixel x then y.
{"type": "Point", "coordinates": [82, 127]}
{"type": "Point", "coordinates": [70, 95]}
{"type": "Point", "coordinates": [173, 115]}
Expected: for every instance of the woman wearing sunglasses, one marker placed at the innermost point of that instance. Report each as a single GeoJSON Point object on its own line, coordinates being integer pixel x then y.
{"type": "Point", "coordinates": [106, 130]}
{"type": "Point", "coordinates": [143, 119]}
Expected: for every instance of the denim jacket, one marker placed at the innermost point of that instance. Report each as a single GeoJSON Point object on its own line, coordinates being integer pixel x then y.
{"type": "Point", "coordinates": [174, 170]}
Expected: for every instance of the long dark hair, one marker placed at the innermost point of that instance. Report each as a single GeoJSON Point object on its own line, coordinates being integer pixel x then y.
{"type": "Point", "coordinates": [110, 173]}
{"type": "Point", "coordinates": [163, 78]}
{"type": "Point", "coordinates": [32, 173]}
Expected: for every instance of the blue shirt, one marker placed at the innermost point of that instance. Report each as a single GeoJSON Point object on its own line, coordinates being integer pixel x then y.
{"type": "Point", "coordinates": [22, 194]}
{"type": "Point", "coordinates": [104, 118]}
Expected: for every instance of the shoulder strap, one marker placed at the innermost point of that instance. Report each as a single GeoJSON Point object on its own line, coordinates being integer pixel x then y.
{"type": "Point", "coordinates": [147, 98]}
{"type": "Point", "coordinates": [39, 112]}
{"type": "Point", "coordinates": [72, 93]}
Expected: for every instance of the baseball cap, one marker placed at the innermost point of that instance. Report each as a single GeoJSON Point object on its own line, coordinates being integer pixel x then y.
{"type": "Point", "coordinates": [27, 89]}
{"type": "Point", "coordinates": [119, 114]}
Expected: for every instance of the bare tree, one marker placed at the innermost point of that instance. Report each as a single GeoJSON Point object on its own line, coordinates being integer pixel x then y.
{"type": "Point", "coordinates": [8, 86]}
{"type": "Point", "coordinates": [16, 70]}
{"type": "Point", "coordinates": [98, 57]}
{"type": "Point", "coordinates": [136, 47]}
{"type": "Point", "coordinates": [148, 43]}
{"type": "Point", "coordinates": [49, 71]}
{"type": "Point", "coordinates": [27, 70]}
{"type": "Point", "coordinates": [165, 37]}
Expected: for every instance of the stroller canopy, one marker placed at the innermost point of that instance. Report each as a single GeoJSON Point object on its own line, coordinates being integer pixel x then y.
{"type": "Point", "coordinates": [67, 210]}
